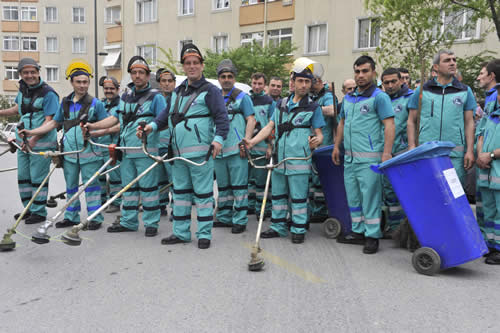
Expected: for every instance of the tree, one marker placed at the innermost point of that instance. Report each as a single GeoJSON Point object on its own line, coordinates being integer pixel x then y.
{"type": "Point", "coordinates": [483, 8]}
{"type": "Point", "coordinates": [248, 59]}
{"type": "Point", "coordinates": [5, 104]}
{"type": "Point", "coordinates": [169, 61]}
{"type": "Point", "coordinates": [470, 67]}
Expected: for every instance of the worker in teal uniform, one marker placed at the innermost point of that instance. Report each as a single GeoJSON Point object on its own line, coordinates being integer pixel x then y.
{"type": "Point", "coordinates": [73, 108]}
{"type": "Point", "coordinates": [264, 107]}
{"type": "Point", "coordinates": [112, 103]}
{"type": "Point", "coordinates": [36, 103]}
{"type": "Point", "coordinates": [367, 130]}
{"type": "Point", "coordinates": [447, 113]}
{"type": "Point", "coordinates": [400, 94]}
{"type": "Point", "coordinates": [141, 103]}
{"type": "Point", "coordinates": [231, 165]}
{"type": "Point", "coordinates": [488, 161]}
{"type": "Point", "coordinates": [321, 95]}
{"type": "Point", "coordinates": [166, 80]}
{"type": "Point", "coordinates": [198, 106]}
{"type": "Point", "coordinates": [292, 121]}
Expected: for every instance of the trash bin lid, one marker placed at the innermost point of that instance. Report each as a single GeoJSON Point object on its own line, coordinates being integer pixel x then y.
{"type": "Point", "coordinates": [323, 150]}
{"type": "Point", "coordinates": [424, 151]}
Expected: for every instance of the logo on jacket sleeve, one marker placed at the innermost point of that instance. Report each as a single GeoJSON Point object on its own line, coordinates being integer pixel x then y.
{"type": "Point", "coordinates": [364, 109]}
{"type": "Point", "coordinates": [458, 101]}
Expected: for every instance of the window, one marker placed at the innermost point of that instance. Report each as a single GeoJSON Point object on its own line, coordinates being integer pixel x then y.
{"type": "Point", "coordinates": [148, 52]}
{"type": "Point", "coordinates": [51, 14]}
{"type": "Point", "coordinates": [78, 15]}
{"type": "Point", "coordinates": [220, 43]}
{"type": "Point", "coordinates": [276, 37]}
{"type": "Point", "coordinates": [52, 73]}
{"type": "Point", "coordinates": [29, 43]}
{"type": "Point", "coordinates": [248, 38]}
{"type": "Point", "coordinates": [11, 43]}
{"type": "Point", "coordinates": [146, 11]}
{"type": "Point", "coordinates": [11, 73]}
{"type": "Point", "coordinates": [317, 36]}
{"type": "Point", "coordinates": [79, 45]}
{"type": "Point", "coordinates": [368, 33]}
{"type": "Point", "coordinates": [51, 44]}
{"type": "Point", "coordinates": [459, 25]}
{"type": "Point", "coordinates": [186, 7]}
{"type": "Point", "coordinates": [28, 13]}
{"type": "Point", "coordinates": [11, 13]}
{"type": "Point", "coordinates": [220, 4]}
{"type": "Point", "coordinates": [112, 14]}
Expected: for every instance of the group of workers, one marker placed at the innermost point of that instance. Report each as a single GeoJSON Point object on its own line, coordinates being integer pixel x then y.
{"type": "Point", "coordinates": [370, 126]}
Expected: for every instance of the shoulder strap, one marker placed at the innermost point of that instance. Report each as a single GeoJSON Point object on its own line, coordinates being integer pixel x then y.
{"type": "Point", "coordinates": [232, 98]}
{"type": "Point", "coordinates": [193, 96]}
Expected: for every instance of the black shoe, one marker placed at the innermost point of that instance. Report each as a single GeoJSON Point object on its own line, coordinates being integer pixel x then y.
{"type": "Point", "coordinates": [298, 238]}
{"type": "Point", "coordinates": [203, 243]}
{"type": "Point", "coordinates": [493, 259]}
{"type": "Point", "coordinates": [251, 211]}
{"type": "Point", "coordinates": [270, 233]}
{"type": "Point", "coordinates": [491, 251]}
{"type": "Point", "coordinates": [34, 218]}
{"type": "Point", "coordinates": [238, 228]}
{"type": "Point", "coordinates": [352, 238]}
{"type": "Point", "coordinates": [151, 232]}
{"type": "Point", "coordinates": [163, 211]}
{"type": "Point", "coordinates": [172, 239]}
{"type": "Point", "coordinates": [94, 225]}
{"type": "Point", "coordinates": [371, 246]}
{"type": "Point", "coordinates": [118, 228]}
{"type": "Point", "coordinates": [28, 214]}
{"type": "Point", "coordinates": [218, 224]}
{"type": "Point", "coordinates": [65, 224]}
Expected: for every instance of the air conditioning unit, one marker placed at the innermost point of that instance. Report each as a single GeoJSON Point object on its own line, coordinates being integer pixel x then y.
{"type": "Point", "coordinates": [287, 2]}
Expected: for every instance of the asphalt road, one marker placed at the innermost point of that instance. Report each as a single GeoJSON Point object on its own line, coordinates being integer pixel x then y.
{"type": "Point", "coordinates": [129, 283]}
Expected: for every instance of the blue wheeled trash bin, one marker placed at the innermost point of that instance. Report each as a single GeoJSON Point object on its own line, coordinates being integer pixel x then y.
{"type": "Point", "coordinates": [331, 177]}
{"type": "Point", "coordinates": [432, 197]}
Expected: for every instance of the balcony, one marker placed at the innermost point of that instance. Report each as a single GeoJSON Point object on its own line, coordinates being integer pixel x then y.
{"type": "Point", "coordinates": [114, 34]}
{"type": "Point", "coordinates": [15, 56]}
{"type": "Point", "coordinates": [21, 26]}
{"type": "Point", "coordinates": [10, 85]}
{"type": "Point", "coordinates": [276, 11]}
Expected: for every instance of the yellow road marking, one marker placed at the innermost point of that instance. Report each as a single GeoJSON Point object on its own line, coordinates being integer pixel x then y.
{"type": "Point", "coordinates": [308, 276]}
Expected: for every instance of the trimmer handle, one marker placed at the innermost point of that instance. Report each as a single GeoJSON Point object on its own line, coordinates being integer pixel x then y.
{"type": "Point", "coordinates": [142, 126]}
{"type": "Point", "coordinates": [209, 152]}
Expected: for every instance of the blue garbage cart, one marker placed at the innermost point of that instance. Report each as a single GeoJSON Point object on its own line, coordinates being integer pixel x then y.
{"type": "Point", "coordinates": [437, 208]}
{"type": "Point", "coordinates": [331, 177]}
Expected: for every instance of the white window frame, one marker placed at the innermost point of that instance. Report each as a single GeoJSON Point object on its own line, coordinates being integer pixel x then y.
{"type": "Point", "coordinates": [215, 2]}
{"type": "Point", "coordinates": [56, 10]}
{"type": "Point", "coordinates": [280, 35]}
{"type": "Point", "coordinates": [73, 15]}
{"type": "Point", "coordinates": [13, 71]}
{"type": "Point", "coordinates": [356, 35]}
{"type": "Point", "coordinates": [462, 38]}
{"type": "Point", "coordinates": [140, 51]}
{"type": "Point", "coordinates": [11, 39]}
{"type": "Point", "coordinates": [29, 39]}
{"type": "Point", "coordinates": [56, 68]}
{"type": "Point", "coordinates": [180, 8]}
{"type": "Point", "coordinates": [306, 37]}
{"type": "Point", "coordinates": [215, 39]}
{"type": "Point", "coordinates": [11, 9]}
{"type": "Point", "coordinates": [29, 10]}
{"type": "Point", "coordinates": [113, 19]}
{"type": "Point", "coordinates": [84, 44]}
{"type": "Point", "coordinates": [254, 37]}
{"type": "Point", "coordinates": [139, 14]}
{"type": "Point", "coordinates": [56, 50]}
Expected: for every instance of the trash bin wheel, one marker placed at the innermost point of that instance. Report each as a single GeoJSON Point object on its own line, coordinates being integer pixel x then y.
{"type": "Point", "coordinates": [332, 227]}
{"type": "Point", "coordinates": [426, 261]}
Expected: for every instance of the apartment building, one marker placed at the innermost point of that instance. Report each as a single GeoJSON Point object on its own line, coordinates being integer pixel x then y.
{"type": "Point", "coordinates": [52, 32]}
{"type": "Point", "coordinates": [333, 32]}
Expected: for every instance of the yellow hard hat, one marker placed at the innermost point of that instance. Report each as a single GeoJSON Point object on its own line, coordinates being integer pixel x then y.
{"type": "Point", "coordinates": [79, 67]}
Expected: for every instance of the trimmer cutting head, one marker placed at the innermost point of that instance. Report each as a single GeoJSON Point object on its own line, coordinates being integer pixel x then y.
{"type": "Point", "coordinates": [71, 238]}
{"type": "Point", "coordinates": [7, 244]}
{"type": "Point", "coordinates": [40, 238]}
{"type": "Point", "coordinates": [256, 263]}
{"type": "Point", "coordinates": [51, 203]}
